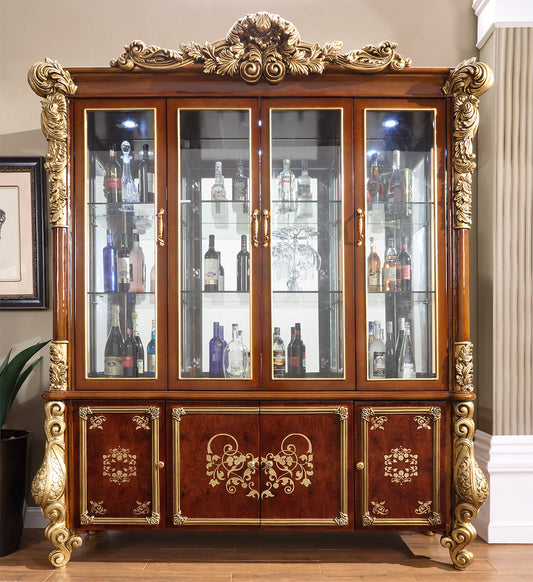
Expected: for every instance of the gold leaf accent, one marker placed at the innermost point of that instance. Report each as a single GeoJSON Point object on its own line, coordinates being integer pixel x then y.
{"type": "Point", "coordinates": [49, 80]}
{"type": "Point", "coordinates": [179, 519]}
{"type": "Point", "coordinates": [342, 519]}
{"type": "Point", "coordinates": [119, 465]}
{"type": "Point", "coordinates": [466, 83]}
{"type": "Point", "coordinates": [58, 365]}
{"type": "Point", "coordinates": [49, 485]}
{"type": "Point", "coordinates": [378, 507]}
{"type": "Point", "coordinates": [377, 422]}
{"type": "Point", "coordinates": [368, 520]}
{"type": "Point", "coordinates": [177, 413]}
{"type": "Point", "coordinates": [342, 413]}
{"type": "Point", "coordinates": [142, 422]}
{"type": "Point", "coordinates": [97, 507]}
{"type": "Point", "coordinates": [423, 422]}
{"type": "Point", "coordinates": [374, 59]}
{"type": "Point", "coordinates": [423, 507]}
{"type": "Point", "coordinates": [96, 421]}
{"type": "Point", "coordinates": [464, 367]}
{"type": "Point", "coordinates": [367, 413]}
{"type": "Point", "coordinates": [401, 465]}
{"type": "Point", "coordinates": [154, 519]}
{"type": "Point", "coordinates": [142, 508]}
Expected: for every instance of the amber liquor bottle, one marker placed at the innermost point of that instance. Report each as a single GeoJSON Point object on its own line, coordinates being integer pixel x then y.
{"type": "Point", "coordinates": [373, 269]}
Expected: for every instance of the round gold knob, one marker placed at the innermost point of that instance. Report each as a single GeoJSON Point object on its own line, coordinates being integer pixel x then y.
{"type": "Point", "coordinates": [252, 465]}
{"type": "Point", "coordinates": [360, 466]}
{"type": "Point", "coordinates": [161, 464]}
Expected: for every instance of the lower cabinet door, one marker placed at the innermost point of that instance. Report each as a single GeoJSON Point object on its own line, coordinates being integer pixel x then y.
{"type": "Point", "coordinates": [120, 468]}
{"type": "Point", "coordinates": [215, 453]}
{"type": "Point", "coordinates": [401, 464]}
{"type": "Point", "coordinates": [305, 474]}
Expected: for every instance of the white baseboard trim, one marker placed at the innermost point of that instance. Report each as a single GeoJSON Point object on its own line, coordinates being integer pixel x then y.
{"type": "Point", "coordinates": [34, 518]}
{"type": "Point", "coordinates": [507, 461]}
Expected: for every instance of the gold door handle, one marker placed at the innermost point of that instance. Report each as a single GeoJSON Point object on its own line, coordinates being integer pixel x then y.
{"type": "Point", "coordinates": [161, 227]}
{"type": "Point", "coordinates": [266, 465]}
{"type": "Point", "coordinates": [266, 228]}
{"type": "Point", "coordinates": [255, 228]}
{"type": "Point", "coordinates": [360, 226]}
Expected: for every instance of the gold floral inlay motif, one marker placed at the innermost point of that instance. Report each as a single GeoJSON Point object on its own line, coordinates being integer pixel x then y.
{"type": "Point", "coordinates": [401, 465]}
{"type": "Point", "coordinates": [378, 507]}
{"type": "Point", "coordinates": [143, 508]}
{"type": "Point", "coordinates": [142, 422]}
{"type": "Point", "coordinates": [423, 422]}
{"type": "Point", "coordinates": [423, 507]}
{"type": "Point", "coordinates": [97, 507]}
{"type": "Point", "coordinates": [377, 422]}
{"type": "Point", "coordinates": [96, 422]}
{"type": "Point", "coordinates": [119, 465]}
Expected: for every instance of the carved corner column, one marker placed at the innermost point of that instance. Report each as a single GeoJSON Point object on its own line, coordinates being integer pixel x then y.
{"type": "Point", "coordinates": [466, 84]}
{"type": "Point", "coordinates": [50, 81]}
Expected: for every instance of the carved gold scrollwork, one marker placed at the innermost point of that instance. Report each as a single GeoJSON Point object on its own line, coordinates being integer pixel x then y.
{"type": "Point", "coordinates": [424, 509]}
{"type": "Point", "coordinates": [97, 507]}
{"type": "Point", "coordinates": [470, 487]}
{"type": "Point", "coordinates": [49, 483]}
{"type": "Point", "coordinates": [378, 508]}
{"type": "Point", "coordinates": [177, 413]}
{"type": "Point", "coordinates": [143, 508]}
{"type": "Point", "coordinates": [424, 422]}
{"type": "Point", "coordinates": [368, 520]}
{"type": "Point", "coordinates": [464, 367]}
{"type": "Point", "coordinates": [261, 46]}
{"type": "Point", "coordinates": [58, 365]}
{"type": "Point", "coordinates": [51, 81]}
{"type": "Point", "coordinates": [401, 465]}
{"type": "Point", "coordinates": [179, 519]}
{"type": "Point", "coordinates": [341, 520]}
{"type": "Point", "coordinates": [142, 422]}
{"type": "Point", "coordinates": [95, 421]}
{"type": "Point", "coordinates": [119, 465]}
{"type": "Point", "coordinates": [377, 422]}
{"type": "Point", "coordinates": [466, 83]}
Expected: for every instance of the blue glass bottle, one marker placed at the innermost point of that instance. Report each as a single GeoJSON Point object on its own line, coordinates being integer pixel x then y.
{"type": "Point", "coordinates": [110, 264]}
{"type": "Point", "coordinates": [216, 351]}
{"type": "Point", "coordinates": [150, 354]}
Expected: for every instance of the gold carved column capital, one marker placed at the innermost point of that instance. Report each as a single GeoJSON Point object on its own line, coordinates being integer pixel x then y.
{"type": "Point", "coordinates": [49, 80]}
{"type": "Point", "coordinates": [59, 365]}
{"type": "Point", "coordinates": [467, 82]}
{"type": "Point", "coordinates": [464, 367]}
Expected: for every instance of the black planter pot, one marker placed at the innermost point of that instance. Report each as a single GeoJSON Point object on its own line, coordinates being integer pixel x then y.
{"type": "Point", "coordinates": [14, 457]}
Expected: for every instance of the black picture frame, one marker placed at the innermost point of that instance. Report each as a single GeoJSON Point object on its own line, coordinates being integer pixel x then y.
{"type": "Point", "coordinates": [23, 235]}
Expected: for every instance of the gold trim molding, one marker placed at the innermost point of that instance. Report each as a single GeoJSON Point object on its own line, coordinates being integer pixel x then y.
{"type": "Point", "coordinates": [261, 46]}
{"type": "Point", "coordinates": [464, 367]}
{"type": "Point", "coordinates": [51, 81]}
{"type": "Point", "coordinates": [470, 487]}
{"type": "Point", "coordinates": [58, 365]}
{"type": "Point", "coordinates": [467, 82]}
{"type": "Point", "coordinates": [49, 487]}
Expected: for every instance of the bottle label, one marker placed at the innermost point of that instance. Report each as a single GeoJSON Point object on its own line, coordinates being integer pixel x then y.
{"type": "Point", "coordinates": [389, 278]}
{"type": "Point", "coordinates": [127, 361]}
{"type": "Point", "coordinates": [373, 279]}
{"type": "Point", "coordinates": [123, 269]}
{"type": "Point", "coordinates": [140, 367]}
{"type": "Point", "coordinates": [240, 189]}
{"type": "Point", "coordinates": [408, 371]}
{"type": "Point", "coordinates": [113, 367]}
{"type": "Point", "coordinates": [211, 271]}
{"type": "Point", "coordinates": [112, 182]}
{"type": "Point", "coordinates": [150, 182]}
{"type": "Point", "coordinates": [406, 272]}
{"type": "Point", "coordinates": [150, 363]}
{"type": "Point", "coordinates": [378, 365]}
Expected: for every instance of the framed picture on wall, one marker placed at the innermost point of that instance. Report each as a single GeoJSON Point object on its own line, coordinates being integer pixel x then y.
{"type": "Point", "coordinates": [22, 234]}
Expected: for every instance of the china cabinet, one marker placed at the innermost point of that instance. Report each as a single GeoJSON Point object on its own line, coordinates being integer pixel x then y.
{"type": "Point", "coordinates": [261, 290]}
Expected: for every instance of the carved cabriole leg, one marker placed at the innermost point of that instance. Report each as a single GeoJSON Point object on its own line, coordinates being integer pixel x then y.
{"type": "Point", "coordinates": [49, 486]}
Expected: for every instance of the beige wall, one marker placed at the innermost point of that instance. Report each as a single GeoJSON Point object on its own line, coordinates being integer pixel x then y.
{"type": "Point", "coordinates": [432, 33]}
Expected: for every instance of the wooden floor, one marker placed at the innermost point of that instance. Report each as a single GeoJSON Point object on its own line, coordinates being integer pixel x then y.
{"type": "Point", "coordinates": [264, 557]}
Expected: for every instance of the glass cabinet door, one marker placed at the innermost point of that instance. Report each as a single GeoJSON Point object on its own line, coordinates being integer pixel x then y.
{"type": "Point", "coordinates": [214, 262]}
{"type": "Point", "coordinates": [120, 230]}
{"type": "Point", "coordinates": [307, 267]}
{"type": "Point", "coordinates": [401, 244]}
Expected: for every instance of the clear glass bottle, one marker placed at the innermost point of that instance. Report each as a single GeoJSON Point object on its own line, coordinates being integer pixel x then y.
{"type": "Point", "coordinates": [110, 264]}
{"type": "Point", "coordinates": [137, 266]}
{"type": "Point", "coordinates": [390, 360]}
{"type": "Point", "coordinates": [112, 183]}
{"type": "Point", "coordinates": [374, 186]}
{"type": "Point", "coordinates": [373, 268]}
{"type": "Point", "coordinates": [406, 361]}
{"type": "Point", "coordinates": [128, 187]}
{"type": "Point", "coordinates": [390, 269]}
{"type": "Point", "coordinates": [396, 192]}
{"type": "Point", "coordinates": [304, 193]}
{"type": "Point", "coordinates": [113, 347]}
{"type": "Point", "coordinates": [287, 188]}
{"type": "Point", "coordinates": [146, 177]}
{"type": "Point", "coordinates": [399, 341]}
{"type": "Point", "coordinates": [247, 358]}
{"type": "Point", "coordinates": [239, 187]}
{"type": "Point", "coordinates": [235, 356]}
{"type": "Point", "coordinates": [278, 354]}
{"type": "Point", "coordinates": [151, 353]}
{"type": "Point", "coordinates": [218, 198]}
{"type": "Point", "coordinates": [377, 353]}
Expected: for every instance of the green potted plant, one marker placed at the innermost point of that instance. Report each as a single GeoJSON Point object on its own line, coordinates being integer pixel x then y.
{"type": "Point", "coordinates": [14, 446]}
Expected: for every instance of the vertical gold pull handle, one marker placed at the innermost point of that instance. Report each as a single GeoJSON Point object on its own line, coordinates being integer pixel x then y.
{"type": "Point", "coordinates": [255, 228]}
{"type": "Point", "coordinates": [360, 226]}
{"type": "Point", "coordinates": [266, 228]}
{"type": "Point", "coordinates": [161, 227]}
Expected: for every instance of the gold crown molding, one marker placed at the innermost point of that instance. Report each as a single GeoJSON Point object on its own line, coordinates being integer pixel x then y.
{"type": "Point", "coordinates": [466, 83]}
{"type": "Point", "coordinates": [51, 81]}
{"type": "Point", "coordinates": [58, 365]}
{"type": "Point", "coordinates": [258, 46]}
{"type": "Point", "coordinates": [464, 367]}
{"type": "Point", "coordinates": [470, 487]}
{"type": "Point", "coordinates": [49, 487]}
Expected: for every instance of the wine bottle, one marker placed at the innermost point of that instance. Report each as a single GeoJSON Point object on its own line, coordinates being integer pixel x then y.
{"type": "Point", "coordinates": [390, 361]}
{"type": "Point", "coordinates": [374, 187]}
{"type": "Point", "coordinates": [243, 267]}
{"type": "Point", "coordinates": [129, 353]}
{"type": "Point", "coordinates": [113, 347]}
{"type": "Point", "coordinates": [373, 269]}
{"type": "Point", "coordinates": [404, 260]}
{"type": "Point", "coordinates": [123, 264]}
{"type": "Point", "coordinates": [216, 352]}
{"type": "Point", "coordinates": [303, 192]}
{"type": "Point", "coordinates": [390, 269]}
{"type": "Point", "coordinates": [112, 186]}
{"type": "Point", "coordinates": [287, 188]}
{"type": "Point", "coordinates": [128, 188]}
{"type": "Point", "coordinates": [290, 370]}
{"type": "Point", "coordinates": [278, 354]}
{"type": "Point", "coordinates": [298, 353]}
{"type": "Point", "coordinates": [396, 191]}
{"type": "Point", "coordinates": [406, 361]}
{"type": "Point", "coordinates": [110, 264]}
{"type": "Point", "coordinates": [137, 266]}
{"type": "Point", "coordinates": [150, 353]}
{"type": "Point", "coordinates": [220, 273]}
{"type": "Point", "coordinates": [377, 353]}
{"type": "Point", "coordinates": [139, 356]}
{"type": "Point", "coordinates": [234, 356]}
{"type": "Point", "coordinates": [146, 177]}
{"type": "Point", "coordinates": [211, 264]}
{"type": "Point", "coordinates": [239, 184]}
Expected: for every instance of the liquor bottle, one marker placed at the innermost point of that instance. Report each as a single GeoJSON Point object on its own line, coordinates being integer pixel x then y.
{"type": "Point", "coordinates": [239, 187]}
{"type": "Point", "coordinates": [287, 188]}
{"type": "Point", "coordinates": [390, 269]}
{"type": "Point", "coordinates": [112, 186]}
{"type": "Point", "coordinates": [218, 197]}
{"type": "Point", "coordinates": [139, 355]}
{"type": "Point", "coordinates": [374, 269]}
{"type": "Point", "coordinates": [404, 260]}
{"type": "Point", "coordinates": [304, 195]}
{"type": "Point", "coordinates": [278, 354]}
{"type": "Point", "coordinates": [390, 360]}
{"type": "Point", "coordinates": [150, 353]}
{"type": "Point", "coordinates": [290, 370]}
{"type": "Point", "coordinates": [137, 266]}
{"type": "Point", "coordinates": [216, 352]}
{"type": "Point", "coordinates": [129, 190]}
{"type": "Point", "coordinates": [377, 353]}
{"type": "Point", "coordinates": [129, 353]}
{"type": "Point", "coordinates": [110, 264]}
{"type": "Point", "coordinates": [298, 353]}
{"type": "Point", "coordinates": [220, 273]}
{"type": "Point", "coordinates": [374, 187]}
{"type": "Point", "coordinates": [246, 355]}
{"type": "Point", "coordinates": [235, 356]}
{"type": "Point", "coordinates": [211, 264]}
{"type": "Point", "coordinates": [146, 177]}
{"type": "Point", "coordinates": [399, 340]}
{"type": "Point", "coordinates": [123, 264]}
{"type": "Point", "coordinates": [243, 267]}
{"type": "Point", "coordinates": [113, 347]}
{"type": "Point", "coordinates": [371, 329]}
{"type": "Point", "coordinates": [396, 192]}
{"type": "Point", "coordinates": [406, 361]}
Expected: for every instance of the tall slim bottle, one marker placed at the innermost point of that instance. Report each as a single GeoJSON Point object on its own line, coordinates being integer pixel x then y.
{"type": "Point", "coordinates": [137, 266]}
{"type": "Point", "coordinates": [287, 192]}
{"type": "Point", "coordinates": [377, 353]}
{"type": "Point", "coordinates": [390, 361]}
{"type": "Point", "coordinates": [216, 352]}
{"type": "Point", "coordinates": [399, 340]}
{"type": "Point", "coordinates": [110, 264]}
{"type": "Point", "coordinates": [128, 187]}
{"type": "Point", "coordinates": [129, 353]}
{"type": "Point", "coordinates": [239, 187]}
{"type": "Point", "coordinates": [243, 267]}
{"type": "Point", "coordinates": [113, 347]}
{"type": "Point", "coordinates": [396, 193]}
{"type": "Point", "coordinates": [374, 187]}
{"type": "Point", "coordinates": [221, 280]}
{"type": "Point", "coordinates": [218, 197]}
{"type": "Point", "coordinates": [404, 260]}
{"type": "Point", "coordinates": [298, 353]}
{"type": "Point", "coordinates": [235, 356]}
{"type": "Point", "coordinates": [373, 268]}
{"type": "Point", "coordinates": [123, 264]}
{"type": "Point", "coordinates": [139, 356]}
{"type": "Point", "coordinates": [390, 269]}
{"type": "Point", "coordinates": [211, 266]}
{"type": "Point", "coordinates": [146, 177]}
{"type": "Point", "coordinates": [112, 187]}
{"type": "Point", "coordinates": [290, 369]}
{"type": "Point", "coordinates": [406, 361]}
{"type": "Point", "coordinates": [278, 354]}
{"type": "Point", "coordinates": [303, 194]}
{"type": "Point", "coordinates": [151, 353]}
